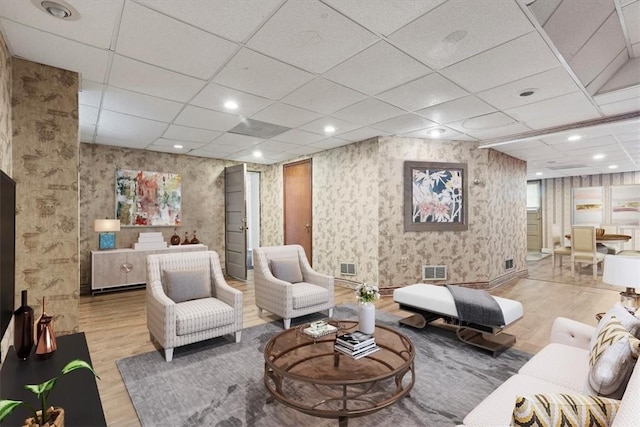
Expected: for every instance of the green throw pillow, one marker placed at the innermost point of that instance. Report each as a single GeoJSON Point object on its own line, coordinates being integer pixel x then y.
{"type": "Point", "coordinates": [556, 409]}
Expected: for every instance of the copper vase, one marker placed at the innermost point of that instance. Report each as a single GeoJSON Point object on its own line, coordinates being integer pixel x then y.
{"type": "Point", "coordinates": [46, 341]}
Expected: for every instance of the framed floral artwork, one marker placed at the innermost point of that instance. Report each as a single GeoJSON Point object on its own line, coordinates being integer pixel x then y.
{"type": "Point", "coordinates": [435, 196]}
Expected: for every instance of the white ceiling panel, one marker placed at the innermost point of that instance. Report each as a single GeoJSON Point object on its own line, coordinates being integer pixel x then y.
{"type": "Point", "coordinates": [620, 107]}
{"type": "Point", "coordinates": [448, 134]}
{"type": "Point", "coordinates": [493, 125]}
{"type": "Point", "coordinates": [206, 119]}
{"type": "Point", "coordinates": [323, 96]}
{"type": "Point", "coordinates": [240, 142]}
{"type": "Point", "coordinates": [157, 39]}
{"type": "Point", "coordinates": [519, 58]}
{"type": "Point", "coordinates": [367, 73]}
{"type": "Point", "coordinates": [329, 143]}
{"type": "Point", "coordinates": [127, 123]}
{"type": "Point", "coordinates": [574, 107]}
{"type": "Point", "coordinates": [298, 137]}
{"type": "Point", "coordinates": [220, 149]}
{"type": "Point", "coordinates": [275, 146]}
{"type": "Point", "coordinates": [310, 35]}
{"type": "Point", "coordinates": [368, 111]}
{"type": "Point", "coordinates": [544, 9]}
{"type": "Point", "coordinates": [88, 114]}
{"type": "Point", "coordinates": [439, 41]}
{"type": "Point", "coordinates": [137, 104]}
{"type": "Point", "coordinates": [90, 93]}
{"type": "Point", "coordinates": [424, 92]}
{"type": "Point", "coordinates": [317, 126]}
{"type": "Point", "coordinates": [164, 149]}
{"type": "Point", "coordinates": [144, 78]}
{"type": "Point", "coordinates": [547, 84]}
{"type": "Point", "coordinates": [219, 16]}
{"type": "Point", "coordinates": [260, 75]}
{"type": "Point", "coordinates": [214, 96]}
{"type": "Point", "coordinates": [403, 124]}
{"type": "Point", "coordinates": [184, 133]}
{"type": "Point", "coordinates": [169, 143]}
{"type": "Point", "coordinates": [106, 139]}
{"type": "Point", "coordinates": [94, 26]}
{"type": "Point", "coordinates": [286, 115]}
{"type": "Point", "coordinates": [305, 150]}
{"type": "Point", "coordinates": [523, 145]}
{"type": "Point", "coordinates": [56, 51]}
{"type": "Point", "coordinates": [362, 134]}
{"type": "Point", "coordinates": [87, 130]}
{"type": "Point", "coordinates": [456, 110]}
{"type": "Point", "coordinates": [631, 13]}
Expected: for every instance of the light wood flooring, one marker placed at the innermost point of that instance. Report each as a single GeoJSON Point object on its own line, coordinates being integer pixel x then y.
{"type": "Point", "coordinates": [115, 323]}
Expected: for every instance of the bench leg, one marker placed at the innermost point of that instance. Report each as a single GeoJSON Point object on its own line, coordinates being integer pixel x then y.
{"type": "Point", "coordinates": [496, 344]}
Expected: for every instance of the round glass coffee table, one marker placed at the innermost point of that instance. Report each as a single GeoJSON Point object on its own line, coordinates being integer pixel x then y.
{"type": "Point", "coordinates": [307, 374]}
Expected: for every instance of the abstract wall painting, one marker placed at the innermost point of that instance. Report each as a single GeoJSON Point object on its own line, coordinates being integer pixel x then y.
{"type": "Point", "coordinates": [435, 196]}
{"type": "Point", "coordinates": [587, 206]}
{"type": "Point", "coordinates": [148, 198]}
{"type": "Point", "coordinates": [625, 205]}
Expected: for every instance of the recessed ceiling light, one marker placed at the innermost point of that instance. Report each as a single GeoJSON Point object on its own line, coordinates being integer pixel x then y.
{"type": "Point", "coordinates": [231, 105]}
{"type": "Point", "coordinates": [613, 166]}
{"type": "Point", "coordinates": [435, 133]}
{"type": "Point", "coordinates": [329, 129]}
{"type": "Point", "coordinates": [178, 146]}
{"type": "Point", "coordinates": [574, 138]}
{"type": "Point", "coordinates": [56, 9]}
{"type": "Point", "coordinates": [598, 156]}
{"type": "Point", "coordinates": [538, 173]}
{"type": "Point", "coordinates": [257, 153]}
{"type": "Point", "coordinates": [527, 92]}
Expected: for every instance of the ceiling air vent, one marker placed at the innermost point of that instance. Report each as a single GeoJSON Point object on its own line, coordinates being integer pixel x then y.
{"type": "Point", "coordinates": [347, 268]}
{"type": "Point", "coordinates": [562, 167]}
{"type": "Point", "coordinates": [434, 272]}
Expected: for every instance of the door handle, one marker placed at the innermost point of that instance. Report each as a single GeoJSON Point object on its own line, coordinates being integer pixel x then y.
{"type": "Point", "coordinates": [308, 227]}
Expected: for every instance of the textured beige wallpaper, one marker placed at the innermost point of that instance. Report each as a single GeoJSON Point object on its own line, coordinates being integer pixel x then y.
{"type": "Point", "coordinates": [45, 167]}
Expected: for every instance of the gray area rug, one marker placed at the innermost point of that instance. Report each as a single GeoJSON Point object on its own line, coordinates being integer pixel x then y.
{"type": "Point", "coordinates": [219, 383]}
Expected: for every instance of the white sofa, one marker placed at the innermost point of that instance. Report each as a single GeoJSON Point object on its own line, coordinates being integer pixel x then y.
{"type": "Point", "coordinates": [560, 367]}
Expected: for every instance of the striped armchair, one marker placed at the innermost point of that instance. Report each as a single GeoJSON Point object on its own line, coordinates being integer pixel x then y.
{"type": "Point", "coordinates": [313, 291]}
{"type": "Point", "coordinates": [173, 324]}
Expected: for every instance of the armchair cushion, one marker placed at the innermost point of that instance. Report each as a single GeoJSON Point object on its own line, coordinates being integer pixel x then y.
{"type": "Point", "coordinates": [307, 295]}
{"type": "Point", "coordinates": [287, 270]}
{"type": "Point", "coordinates": [186, 285]}
{"type": "Point", "coordinates": [555, 409]}
{"type": "Point", "coordinates": [201, 315]}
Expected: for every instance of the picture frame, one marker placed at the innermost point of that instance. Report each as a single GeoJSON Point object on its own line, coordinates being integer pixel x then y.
{"type": "Point", "coordinates": [435, 196]}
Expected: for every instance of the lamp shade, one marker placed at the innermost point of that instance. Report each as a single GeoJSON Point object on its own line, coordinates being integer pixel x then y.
{"type": "Point", "coordinates": [622, 271]}
{"type": "Point", "coordinates": [106, 225]}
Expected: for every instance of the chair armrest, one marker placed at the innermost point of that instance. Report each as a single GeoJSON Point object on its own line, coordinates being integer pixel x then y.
{"type": "Point", "coordinates": [324, 280]}
{"type": "Point", "coordinates": [227, 294]}
{"type": "Point", "coordinates": [571, 332]}
{"type": "Point", "coordinates": [161, 313]}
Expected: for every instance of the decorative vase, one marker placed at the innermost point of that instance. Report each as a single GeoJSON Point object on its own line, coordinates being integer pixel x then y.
{"type": "Point", "coordinates": [175, 239]}
{"type": "Point", "coordinates": [195, 240]}
{"type": "Point", "coordinates": [23, 329]}
{"type": "Point", "coordinates": [367, 318]}
{"type": "Point", "coordinates": [46, 342]}
{"type": "Point", "coordinates": [186, 238]}
{"type": "Point", "coordinates": [58, 421]}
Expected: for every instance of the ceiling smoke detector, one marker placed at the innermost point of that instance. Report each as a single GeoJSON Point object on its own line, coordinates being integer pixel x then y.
{"type": "Point", "coordinates": [58, 9]}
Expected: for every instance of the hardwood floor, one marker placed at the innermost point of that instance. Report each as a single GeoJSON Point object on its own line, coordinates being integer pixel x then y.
{"type": "Point", "coordinates": [115, 323]}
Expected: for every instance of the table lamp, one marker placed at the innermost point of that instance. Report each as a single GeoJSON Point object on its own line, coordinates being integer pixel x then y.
{"type": "Point", "coordinates": [623, 271]}
{"type": "Point", "coordinates": [107, 229]}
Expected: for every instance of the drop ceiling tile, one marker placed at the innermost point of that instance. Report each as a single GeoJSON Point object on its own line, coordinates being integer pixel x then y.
{"type": "Point", "coordinates": [286, 115]}
{"type": "Point", "coordinates": [130, 125]}
{"type": "Point", "coordinates": [537, 153]}
{"type": "Point", "coordinates": [56, 51]}
{"type": "Point", "coordinates": [86, 138]}
{"type": "Point", "coordinates": [219, 17]}
{"type": "Point", "coordinates": [206, 119]}
{"type": "Point", "coordinates": [208, 154]}
{"type": "Point", "coordinates": [460, 29]}
{"type": "Point", "coordinates": [95, 26]}
{"type": "Point", "coordinates": [298, 137]}
{"type": "Point", "coordinates": [248, 158]}
{"type": "Point", "coordinates": [362, 134]}
{"type": "Point", "coordinates": [234, 140]}
{"type": "Point", "coordinates": [164, 149]}
{"type": "Point", "coordinates": [636, 50]}
{"type": "Point", "coordinates": [448, 135]}
{"type": "Point", "coordinates": [87, 114]}
{"type": "Point", "coordinates": [544, 9]}
{"type": "Point", "coordinates": [522, 145]}
{"type": "Point", "coordinates": [151, 80]}
{"type": "Point", "coordinates": [119, 138]}
{"type": "Point", "coordinates": [213, 97]}
{"type": "Point", "coordinates": [310, 35]}
{"type": "Point", "coordinates": [137, 104]}
{"type": "Point", "coordinates": [317, 126]}
{"type": "Point", "coordinates": [369, 111]}
{"type": "Point", "coordinates": [366, 73]}
{"type": "Point", "coordinates": [493, 125]}
{"type": "Point", "coordinates": [423, 92]}
{"type": "Point", "coordinates": [456, 110]}
{"type": "Point", "coordinates": [157, 39]}
{"type": "Point", "coordinates": [627, 106]}
{"type": "Point", "coordinates": [573, 107]}
{"type": "Point", "coordinates": [403, 124]}
{"type": "Point", "coordinates": [87, 128]}
{"type": "Point", "coordinates": [275, 146]}
{"type": "Point", "coordinates": [383, 17]}
{"type": "Point", "coordinates": [90, 93]}
{"type": "Point", "coordinates": [329, 143]}
{"type": "Point", "coordinates": [169, 143]}
{"type": "Point", "coordinates": [183, 133]}
{"type": "Point", "coordinates": [323, 96]}
{"type": "Point", "coordinates": [305, 150]}
{"type": "Point", "coordinates": [220, 149]}
{"type": "Point", "coordinates": [547, 84]}
{"type": "Point", "coordinates": [609, 72]}
{"type": "Point", "coordinates": [522, 57]}
{"type": "Point", "coordinates": [260, 75]}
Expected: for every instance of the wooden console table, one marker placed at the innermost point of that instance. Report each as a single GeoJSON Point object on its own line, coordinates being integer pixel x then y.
{"type": "Point", "coordinates": [76, 392]}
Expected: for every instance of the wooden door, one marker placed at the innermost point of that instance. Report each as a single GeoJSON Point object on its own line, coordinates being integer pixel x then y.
{"type": "Point", "coordinates": [298, 218]}
{"type": "Point", "coordinates": [235, 248]}
{"type": "Point", "coordinates": [534, 230]}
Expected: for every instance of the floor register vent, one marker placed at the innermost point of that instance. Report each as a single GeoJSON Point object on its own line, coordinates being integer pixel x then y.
{"type": "Point", "coordinates": [434, 272]}
{"type": "Point", "coordinates": [348, 268]}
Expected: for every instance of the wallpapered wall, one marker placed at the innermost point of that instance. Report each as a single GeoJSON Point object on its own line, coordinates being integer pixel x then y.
{"type": "Point", "coordinates": [45, 160]}
{"type": "Point", "coordinates": [557, 203]}
{"type": "Point", "coordinates": [202, 196]}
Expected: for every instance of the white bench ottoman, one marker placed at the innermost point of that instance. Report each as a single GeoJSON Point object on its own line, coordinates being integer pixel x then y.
{"type": "Point", "coordinates": [431, 302]}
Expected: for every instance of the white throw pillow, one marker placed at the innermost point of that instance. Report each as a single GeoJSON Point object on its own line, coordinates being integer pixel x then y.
{"type": "Point", "coordinates": [186, 285]}
{"type": "Point", "coordinates": [287, 270]}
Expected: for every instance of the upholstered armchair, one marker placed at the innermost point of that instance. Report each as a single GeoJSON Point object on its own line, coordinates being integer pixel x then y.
{"type": "Point", "coordinates": [287, 286]}
{"type": "Point", "coordinates": [188, 300]}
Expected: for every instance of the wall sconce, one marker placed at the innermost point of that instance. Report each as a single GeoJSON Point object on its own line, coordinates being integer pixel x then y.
{"type": "Point", "coordinates": [107, 229]}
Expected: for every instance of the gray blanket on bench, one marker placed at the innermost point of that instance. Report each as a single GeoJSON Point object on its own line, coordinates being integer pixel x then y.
{"type": "Point", "coordinates": [476, 306]}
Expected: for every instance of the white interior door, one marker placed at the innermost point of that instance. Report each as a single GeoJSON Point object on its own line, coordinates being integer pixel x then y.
{"type": "Point", "coordinates": [235, 221]}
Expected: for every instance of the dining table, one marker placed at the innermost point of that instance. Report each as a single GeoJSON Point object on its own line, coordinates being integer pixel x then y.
{"type": "Point", "coordinates": [608, 238]}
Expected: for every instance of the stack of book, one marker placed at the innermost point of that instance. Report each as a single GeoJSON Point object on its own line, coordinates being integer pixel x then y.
{"type": "Point", "coordinates": [356, 344]}
{"type": "Point", "coordinates": [150, 241]}
{"type": "Point", "coordinates": [319, 329]}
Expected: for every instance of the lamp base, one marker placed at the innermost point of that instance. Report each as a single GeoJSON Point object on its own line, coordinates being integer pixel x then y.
{"type": "Point", "coordinates": [629, 299]}
{"type": "Point", "coordinates": [107, 240]}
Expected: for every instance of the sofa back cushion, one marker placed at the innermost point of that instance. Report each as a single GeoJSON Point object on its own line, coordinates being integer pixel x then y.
{"type": "Point", "coordinates": [186, 285]}
{"type": "Point", "coordinates": [287, 270]}
{"type": "Point", "coordinates": [557, 409]}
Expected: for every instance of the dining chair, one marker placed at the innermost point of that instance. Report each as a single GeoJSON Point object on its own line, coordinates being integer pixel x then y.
{"type": "Point", "coordinates": [615, 247]}
{"type": "Point", "coordinates": [583, 248]}
{"type": "Point", "coordinates": [559, 250]}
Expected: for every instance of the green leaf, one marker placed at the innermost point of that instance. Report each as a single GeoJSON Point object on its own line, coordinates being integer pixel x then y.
{"type": "Point", "coordinates": [77, 364]}
{"type": "Point", "coordinates": [38, 389]}
{"type": "Point", "coordinates": [7, 406]}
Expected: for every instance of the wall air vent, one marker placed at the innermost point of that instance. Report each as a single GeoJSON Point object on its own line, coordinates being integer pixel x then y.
{"type": "Point", "coordinates": [347, 269]}
{"type": "Point", "coordinates": [434, 272]}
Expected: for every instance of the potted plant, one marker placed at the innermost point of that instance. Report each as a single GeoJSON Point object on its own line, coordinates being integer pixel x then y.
{"type": "Point", "coordinates": [46, 416]}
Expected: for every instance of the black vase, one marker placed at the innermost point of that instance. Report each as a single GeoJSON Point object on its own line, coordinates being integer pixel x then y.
{"type": "Point", "coordinates": [23, 332]}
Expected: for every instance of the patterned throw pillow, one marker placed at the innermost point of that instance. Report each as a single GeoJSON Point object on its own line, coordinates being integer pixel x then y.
{"type": "Point", "coordinates": [186, 285]}
{"type": "Point", "coordinates": [550, 410]}
{"type": "Point", "coordinates": [612, 358]}
{"type": "Point", "coordinates": [287, 270]}
{"type": "Point", "coordinates": [628, 320]}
